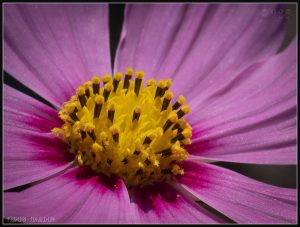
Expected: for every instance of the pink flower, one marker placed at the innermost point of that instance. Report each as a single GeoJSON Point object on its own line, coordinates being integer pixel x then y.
{"type": "Point", "coordinates": [222, 58]}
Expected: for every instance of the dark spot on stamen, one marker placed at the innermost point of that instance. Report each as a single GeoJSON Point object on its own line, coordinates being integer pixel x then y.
{"type": "Point", "coordinates": [136, 152]}
{"type": "Point", "coordinates": [96, 88]}
{"type": "Point", "coordinates": [87, 92]}
{"type": "Point", "coordinates": [166, 171]}
{"type": "Point", "coordinates": [137, 86]}
{"type": "Point", "coordinates": [139, 172]}
{"type": "Point", "coordinates": [97, 110]}
{"type": "Point", "coordinates": [82, 100]}
{"type": "Point", "coordinates": [147, 162]}
{"type": "Point", "coordinates": [125, 161]}
{"type": "Point", "coordinates": [173, 162]}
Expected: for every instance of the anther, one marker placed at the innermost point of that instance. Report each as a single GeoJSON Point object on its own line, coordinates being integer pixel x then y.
{"type": "Point", "coordinates": [159, 89]}
{"type": "Point", "coordinates": [173, 162]}
{"type": "Point", "coordinates": [125, 161]}
{"type": "Point", "coordinates": [72, 109]}
{"type": "Point", "coordinates": [96, 149]}
{"type": "Point", "coordinates": [111, 112]}
{"type": "Point", "coordinates": [138, 147]}
{"type": "Point", "coordinates": [79, 160]}
{"type": "Point", "coordinates": [116, 81]}
{"type": "Point", "coordinates": [139, 172]}
{"type": "Point", "coordinates": [106, 79]}
{"type": "Point", "coordinates": [99, 100]}
{"type": "Point", "coordinates": [136, 152]}
{"type": "Point", "coordinates": [149, 138]}
{"type": "Point", "coordinates": [92, 135]}
{"type": "Point", "coordinates": [186, 141]}
{"type": "Point", "coordinates": [168, 96]}
{"type": "Point", "coordinates": [138, 81]}
{"type": "Point", "coordinates": [128, 75]}
{"type": "Point", "coordinates": [109, 161]}
{"type": "Point", "coordinates": [74, 98]}
{"type": "Point", "coordinates": [115, 133]}
{"type": "Point", "coordinates": [151, 82]}
{"type": "Point", "coordinates": [87, 89]}
{"type": "Point", "coordinates": [104, 139]}
{"type": "Point", "coordinates": [81, 95]}
{"type": "Point", "coordinates": [171, 120]}
{"type": "Point", "coordinates": [165, 153]}
{"type": "Point", "coordinates": [168, 84]}
{"type": "Point", "coordinates": [178, 103]}
{"type": "Point", "coordinates": [179, 126]}
{"type": "Point", "coordinates": [96, 84]}
{"type": "Point", "coordinates": [136, 113]}
{"type": "Point", "coordinates": [147, 161]}
{"type": "Point", "coordinates": [186, 133]}
{"type": "Point", "coordinates": [107, 90]}
{"type": "Point", "coordinates": [166, 171]}
{"type": "Point", "coordinates": [89, 128]}
{"type": "Point", "coordinates": [83, 134]}
{"type": "Point", "coordinates": [183, 111]}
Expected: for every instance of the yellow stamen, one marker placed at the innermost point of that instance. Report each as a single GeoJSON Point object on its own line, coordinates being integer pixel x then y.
{"type": "Point", "coordinates": [136, 113]}
{"type": "Point", "coordinates": [128, 75]}
{"type": "Point", "coordinates": [107, 90]}
{"type": "Point", "coordinates": [179, 102]}
{"type": "Point", "coordinates": [127, 129]}
{"type": "Point", "coordinates": [106, 78]}
{"type": "Point", "coordinates": [96, 83]}
{"type": "Point", "coordinates": [138, 81]}
{"type": "Point", "coordinates": [183, 111]}
{"type": "Point", "coordinates": [151, 82]}
{"type": "Point", "coordinates": [116, 81]}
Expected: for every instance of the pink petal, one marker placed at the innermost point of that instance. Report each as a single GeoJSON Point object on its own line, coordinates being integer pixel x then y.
{"type": "Point", "coordinates": [30, 151]}
{"type": "Point", "coordinates": [242, 199]}
{"type": "Point", "coordinates": [31, 156]}
{"type": "Point", "coordinates": [252, 119]}
{"type": "Point", "coordinates": [161, 203]}
{"type": "Point", "coordinates": [73, 197]}
{"type": "Point", "coordinates": [24, 112]}
{"type": "Point", "coordinates": [52, 48]}
{"type": "Point", "coordinates": [197, 43]}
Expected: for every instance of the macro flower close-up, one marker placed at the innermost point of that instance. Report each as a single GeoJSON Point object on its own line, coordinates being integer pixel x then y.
{"type": "Point", "coordinates": [136, 136]}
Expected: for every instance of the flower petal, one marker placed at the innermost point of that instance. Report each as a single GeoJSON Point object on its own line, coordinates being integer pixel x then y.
{"type": "Point", "coordinates": [161, 203]}
{"type": "Point", "coordinates": [242, 199]}
{"type": "Point", "coordinates": [30, 156]}
{"type": "Point", "coordinates": [24, 112]}
{"type": "Point", "coordinates": [52, 48]}
{"type": "Point", "coordinates": [30, 151]}
{"type": "Point", "coordinates": [73, 197]}
{"type": "Point", "coordinates": [197, 44]}
{"type": "Point", "coordinates": [252, 119]}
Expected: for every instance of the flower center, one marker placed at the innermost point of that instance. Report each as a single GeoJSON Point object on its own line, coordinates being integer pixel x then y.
{"type": "Point", "coordinates": [126, 129]}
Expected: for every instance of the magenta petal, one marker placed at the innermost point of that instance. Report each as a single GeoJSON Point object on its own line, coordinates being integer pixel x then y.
{"type": "Point", "coordinates": [161, 203]}
{"type": "Point", "coordinates": [30, 156]}
{"type": "Point", "coordinates": [52, 48]}
{"type": "Point", "coordinates": [30, 150]}
{"type": "Point", "coordinates": [73, 197]}
{"type": "Point", "coordinates": [24, 112]}
{"type": "Point", "coordinates": [197, 43]}
{"type": "Point", "coordinates": [240, 198]}
{"type": "Point", "coordinates": [252, 119]}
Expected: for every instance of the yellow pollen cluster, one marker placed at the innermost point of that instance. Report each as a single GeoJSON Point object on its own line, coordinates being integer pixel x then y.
{"type": "Point", "coordinates": [120, 127]}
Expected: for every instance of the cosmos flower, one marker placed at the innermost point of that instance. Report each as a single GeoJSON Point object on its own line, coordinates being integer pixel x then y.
{"type": "Point", "coordinates": [126, 154]}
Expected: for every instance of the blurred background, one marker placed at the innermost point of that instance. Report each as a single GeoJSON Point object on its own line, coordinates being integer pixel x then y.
{"type": "Point", "coordinates": [284, 176]}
